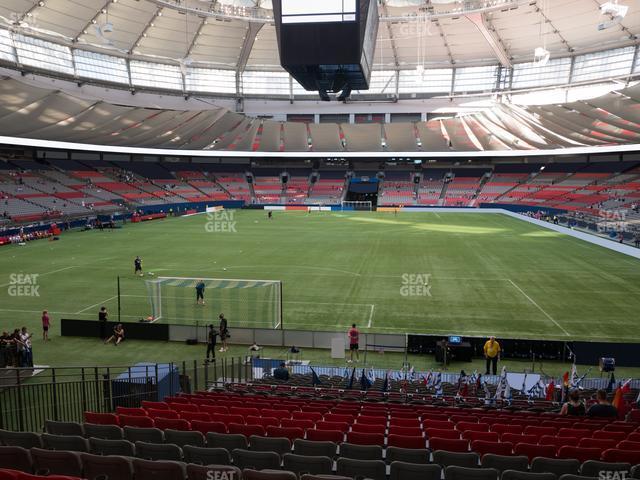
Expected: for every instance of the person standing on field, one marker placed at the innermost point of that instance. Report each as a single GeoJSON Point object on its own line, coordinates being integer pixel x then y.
{"type": "Point", "coordinates": [224, 332]}
{"type": "Point", "coordinates": [492, 354]}
{"type": "Point", "coordinates": [354, 337]}
{"type": "Point", "coordinates": [211, 343]}
{"type": "Point", "coordinates": [46, 323]}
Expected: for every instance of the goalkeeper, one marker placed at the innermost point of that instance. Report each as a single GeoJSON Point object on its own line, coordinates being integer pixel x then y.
{"type": "Point", "coordinates": [200, 292]}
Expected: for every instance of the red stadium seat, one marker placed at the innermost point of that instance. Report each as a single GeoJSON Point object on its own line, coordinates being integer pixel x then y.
{"type": "Point", "coordinates": [367, 428]}
{"type": "Point", "coordinates": [292, 433]}
{"type": "Point", "coordinates": [138, 412]}
{"type": "Point", "coordinates": [227, 419]}
{"type": "Point", "coordinates": [371, 420]}
{"type": "Point", "coordinates": [212, 410]}
{"type": "Point", "coordinates": [404, 422]}
{"type": "Point", "coordinates": [628, 445]}
{"type": "Point", "coordinates": [634, 415]}
{"type": "Point", "coordinates": [297, 423]}
{"type": "Point", "coordinates": [339, 426]}
{"type": "Point", "coordinates": [246, 430]}
{"type": "Point", "coordinates": [264, 421]}
{"type": "Point", "coordinates": [515, 439]}
{"type": "Point", "coordinates": [153, 413]}
{"type": "Point", "coordinates": [575, 432]}
{"type": "Point", "coordinates": [634, 437]}
{"type": "Point", "coordinates": [176, 400]}
{"type": "Point", "coordinates": [532, 451]}
{"type": "Point", "coordinates": [601, 443]}
{"type": "Point", "coordinates": [482, 447]}
{"type": "Point", "coordinates": [472, 435]}
{"type": "Point", "coordinates": [618, 427]}
{"type": "Point", "coordinates": [279, 414]}
{"type": "Point", "coordinates": [617, 436]}
{"type": "Point", "coordinates": [408, 431]}
{"type": "Point", "coordinates": [404, 441]}
{"type": "Point", "coordinates": [580, 453]}
{"type": "Point", "coordinates": [439, 433]}
{"type": "Point", "coordinates": [448, 444]}
{"type": "Point", "coordinates": [172, 423]}
{"type": "Point", "coordinates": [476, 427]}
{"type": "Point", "coordinates": [190, 416]}
{"type": "Point", "coordinates": [206, 427]}
{"type": "Point", "coordinates": [244, 411]}
{"type": "Point", "coordinates": [539, 431]}
{"type": "Point", "coordinates": [325, 436]}
{"type": "Point", "coordinates": [621, 456]}
{"type": "Point", "coordinates": [439, 424]}
{"type": "Point", "coordinates": [558, 442]}
{"type": "Point", "coordinates": [359, 438]}
{"type": "Point", "coordinates": [334, 417]}
{"type": "Point", "coordinates": [501, 428]}
{"type": "Point", "coordinates": [184, 407]}
{"type": "Point", "coordinates": [313, 416]}
{"type": "Point", "coordinates": [101, 418]}
{"type": "Point", "coordinates": [134, 421]}
{"type": "Point", "coordinates": [463, 418]}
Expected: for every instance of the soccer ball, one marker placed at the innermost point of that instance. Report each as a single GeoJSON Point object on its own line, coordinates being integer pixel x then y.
{"type": "Point", "coordinates": [151, 274]}
{"type": "Point", "coordinates": [224, 269]}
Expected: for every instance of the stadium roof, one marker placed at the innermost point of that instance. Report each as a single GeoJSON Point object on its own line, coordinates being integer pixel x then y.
{"type": "Point", "coordinates": [32, 112]}
{"type": "Point", "coordinates": [239, 34]}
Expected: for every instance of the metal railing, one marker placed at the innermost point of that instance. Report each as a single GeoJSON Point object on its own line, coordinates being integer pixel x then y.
{"type": "Point", "coordinates": [30, 396]}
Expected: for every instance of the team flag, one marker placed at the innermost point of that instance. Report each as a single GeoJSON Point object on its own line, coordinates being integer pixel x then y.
{"type": "Point", "coordinates": [612, 382]}
{"type": "Point", "coordinates": [353, 374]}
{"type": "Point", "coordinates": [551, 390]}
{"type": "Point", "coordinates": [315, 380]}
{"type": "Point", "coordinates": [365, 383]}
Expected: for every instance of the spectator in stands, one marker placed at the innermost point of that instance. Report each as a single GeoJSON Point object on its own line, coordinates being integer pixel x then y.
{"type": "Point", "coordinates": [354, 337]}
{"type": "Point", "coordinates": [492, 355]}
{"type": "Point", "coordinates": [281, 373]}
{"type": "Point", "coordinates": [118, 335]}
{"type": "Point", "coordinates": [6, 344]}
{"type": "Point", "coordinates": [211, 343]}
{"type": "Point", "coordinates": [575, 406]}
{"type": "Point", "coordinates": [603, 408]}
{"type": "Point", "coordinates": [46, 323]}
{"type": "Point", "coordinates": [224, 332]}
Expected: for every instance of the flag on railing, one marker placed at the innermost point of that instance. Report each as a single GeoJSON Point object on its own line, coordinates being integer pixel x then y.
{"type": "Point", "coordinates": [426, 380]}
{"type": "Point", "coordinates": [365, 383]}
{"type": "Point", "coordinates": [372, 376]}
{"type": "Point", "coordinates": [612, 383]}
{"type": "Point", "coordinates": [487, 393]}
{"type": "Point", "coordinates": [638, 400]}
{"type": "Point", "coordinates": [620, 392]}
{"type": "Point", "coordinates": [463, 385]}
{"type": "Point", "coordinates": [353, 374]}
{"type": "Point", "coordinates": [524, 384]}
{"type": "Point", "coordinates": [385, 385]}
{"type": "Point", "coordinates": [502, 384]}
{"type": "Point", "coordinates": [315, 380]}
{"type": "Point", "coordinates": [345, 375]}
{"type": "Point", "coordinates": [574, 376]}
{"type": "Point", "coordinates": [412, 374]}
{"type": "Point", "coordinates": [581, 379]}
{"type": "Point", "coordinates": [551, 390]}
{"type": "Point", "coordinates": [437, 384]}
{"type": "Point", "coordinates": [537, 390]}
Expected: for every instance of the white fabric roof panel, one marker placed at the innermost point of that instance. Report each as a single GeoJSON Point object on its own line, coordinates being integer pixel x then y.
{"type": "Point", "coordinates": [401, 137]}
{"type": "Point", "coordinates": [458, 135]}
{"type": "Point", "coordinates": [295, 137]}
{"type": "Point", "coordinates": [431, 137]}
{"type": "Point", "coordinates": [270, 140]}
{"type": "Point", "coordinates": [234, 135]}
{"type": "Point", "coordinates": [604, 116]}
{"type": "Point", "coordinates": [362, 137]}
{"type": "Point", "coordinates": [325, 137]}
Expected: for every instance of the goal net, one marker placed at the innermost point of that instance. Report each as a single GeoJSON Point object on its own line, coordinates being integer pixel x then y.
{"type": "Point", "coordinates": [352, 205]}
{"type": "Point", "coordinates": [248, 303]}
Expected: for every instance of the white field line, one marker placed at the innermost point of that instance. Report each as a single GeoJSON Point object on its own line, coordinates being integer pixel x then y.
{"type": "Point", "coordinates": [539, 307]}
{"type": "Point", "coordinates": [45, 273]}
{"type": "Point", "coordinates": [371, 316]}
{"type": "Point", "coordinates": [95, 305]}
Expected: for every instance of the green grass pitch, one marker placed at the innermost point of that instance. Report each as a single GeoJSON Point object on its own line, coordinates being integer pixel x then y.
{"type": "Point", "coordinates": [485, 274]}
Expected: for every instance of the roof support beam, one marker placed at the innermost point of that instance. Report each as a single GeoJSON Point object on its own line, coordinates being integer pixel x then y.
{"type": "Point", "coordinates": [563, 40]}
{"type": "Point", "coordinates": [491, 37]}
{"type": "Point", "coordinates": [392, 39]}
{"type": "Point", "coordinates": [249, 40]}
{"type": "Point", "coordinates": [444, 40]}
{"type": "Point", "coordinates": [29, 12]}
{"type": "Point", "coordinates": [146, 28]}
{"type": "Point", "coordinates": [192, 44]}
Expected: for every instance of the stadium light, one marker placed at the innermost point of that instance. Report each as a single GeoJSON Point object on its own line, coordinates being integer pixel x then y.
{"type": "Point", "coordinates": [541, 56]}
{"type": "Point", "coordinates": [616, 13]}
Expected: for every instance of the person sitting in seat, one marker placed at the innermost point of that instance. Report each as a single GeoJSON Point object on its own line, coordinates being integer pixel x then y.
{"type": "Point", "coordinates": [603, 408]}
{"type": "Point", "coordinates": [118, 335]}
{"type": "Point", "coordinates": [575, 406]}
{"type": "Point", "coordinates": [281, 373]}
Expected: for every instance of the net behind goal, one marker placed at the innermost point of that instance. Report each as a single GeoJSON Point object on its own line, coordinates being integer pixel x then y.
{"type": "Point", "coordinates": [353, 205]}
{"type": "Point", "coordinates": [250, 303]}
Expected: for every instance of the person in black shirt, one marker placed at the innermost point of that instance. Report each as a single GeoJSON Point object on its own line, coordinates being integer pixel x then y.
{"type": "Point", "coordinates": [224, 332]}
{"type": "Point", "coordinates": [603, 408]}
{"type": "Point", "coordinates": [281, 373]}
{"type": "Point", "coordinates": [211, 343]}
{"type": "Point", "coordinates": [574, 407]}
{"type": "Point", "coordinates": [137, 264]}
{"type": "Point", "coordinates": [200, 292]}
{"type": "Point", "coordinates": [118, 335]}
{"type": "Point", "coordinates": [102, 321]}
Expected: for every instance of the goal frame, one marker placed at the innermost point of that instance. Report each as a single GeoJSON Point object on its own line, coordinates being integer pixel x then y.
{"type": "Point", "coordinates": [158, 281]}
{"type": "Point", "coordinates": [366, 203]}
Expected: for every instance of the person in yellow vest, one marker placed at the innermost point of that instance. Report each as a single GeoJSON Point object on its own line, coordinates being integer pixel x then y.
{"type": "Point", "coordinates": [492, 354]}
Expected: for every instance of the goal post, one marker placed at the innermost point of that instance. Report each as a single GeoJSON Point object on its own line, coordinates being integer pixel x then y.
{"type": "Point", "coordinates": [361, 206]}
{"type": "Point", "coordinates": [245, 303]}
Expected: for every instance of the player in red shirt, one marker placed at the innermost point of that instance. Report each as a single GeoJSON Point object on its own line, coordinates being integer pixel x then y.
{"type": "Point", "coordinates": [354, 335]}
{"type": "Point", "coordinates": [46, 323]}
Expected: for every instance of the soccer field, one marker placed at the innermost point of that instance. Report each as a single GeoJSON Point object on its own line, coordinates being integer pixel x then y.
{"type": "Point", "coordinates": [444, 273]}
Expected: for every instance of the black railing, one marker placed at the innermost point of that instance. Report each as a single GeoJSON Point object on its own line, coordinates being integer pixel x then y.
{"type": "Point", "coordinates": [29, 396]}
